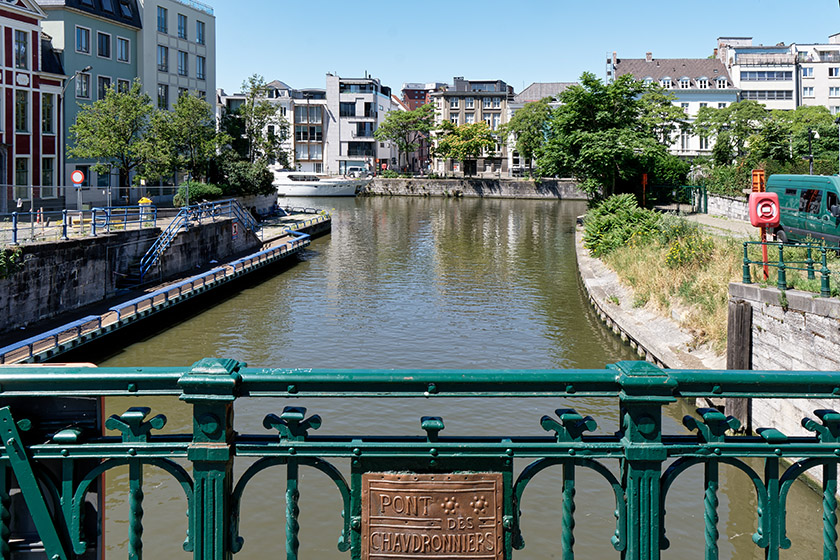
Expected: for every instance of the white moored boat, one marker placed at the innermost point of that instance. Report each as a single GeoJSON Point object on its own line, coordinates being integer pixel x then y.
{"type": "Point", "coordinates": [297, 183]}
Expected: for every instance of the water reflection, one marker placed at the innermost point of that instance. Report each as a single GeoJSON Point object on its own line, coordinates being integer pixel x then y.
{"type": "Point", "coordinates": [424, 283]}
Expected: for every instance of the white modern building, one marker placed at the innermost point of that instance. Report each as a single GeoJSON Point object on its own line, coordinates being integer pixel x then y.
{"type": "Point", "coordinates": [767, 74]}
{"type": "Point", "coordinates": [694, 82]}
{"type": "Point", "coordinates": [177, 49]}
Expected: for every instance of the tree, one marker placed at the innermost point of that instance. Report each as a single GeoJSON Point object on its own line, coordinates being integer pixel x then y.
{"type": "Point", "coordinates": [734, 124]}
{"type": "Point", "coordinates": [251, 125]}
{"type": "Point", "coordinates": [528, 126]}
{"type": "Point", "coordinates": [193, 133]}
{"type": "Point", "coordinates": [113, 131]}
{"type": "Point", "coordinates": [465, 142]}
{"type": "Point", "coordinates": [406, 129]}
{"type": "Point", "coordinates": [607, 134]}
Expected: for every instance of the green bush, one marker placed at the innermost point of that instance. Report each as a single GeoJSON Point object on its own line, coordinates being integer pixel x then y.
{"type": "Point", "coordinates": [11, 261]}
{"type": "Point", "coordinates": [389, 174]}
{"type": "Point", "coordinates": [198, 192]}
{"type": "Point", "coordinates": [245, 178]}
{"type": "Point", "coordinates": [616, 221]}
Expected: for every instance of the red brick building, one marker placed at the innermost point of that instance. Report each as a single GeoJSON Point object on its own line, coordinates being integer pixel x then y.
{"type": "Point", "coordinates": [31, 78]}
{"type": "Point", "coordinates": [415, 94]}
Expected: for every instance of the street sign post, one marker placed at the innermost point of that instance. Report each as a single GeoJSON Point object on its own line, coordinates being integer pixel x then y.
{"type": "Point", "coordinates": [78, 177]}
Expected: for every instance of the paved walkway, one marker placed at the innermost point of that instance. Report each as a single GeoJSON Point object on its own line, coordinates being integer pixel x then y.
{"type": "Point", "coordinates": [725, 226]}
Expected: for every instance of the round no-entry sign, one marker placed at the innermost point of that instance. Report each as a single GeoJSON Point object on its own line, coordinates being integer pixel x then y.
{"type": "Point", "coordinates": [77, 177]}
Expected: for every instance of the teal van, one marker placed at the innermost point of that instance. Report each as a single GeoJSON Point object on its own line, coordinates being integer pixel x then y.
{"type": "Point", "coordinates": [809, 206]}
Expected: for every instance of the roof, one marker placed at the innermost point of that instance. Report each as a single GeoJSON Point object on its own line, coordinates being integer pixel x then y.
{"type": "Point", "coordinates": [50, 61]}
{"type": "Point", "coordinates": [125, 12]}
{"type": "Point", "coordinates": [541, 90]}
{"type": "Point", "coordinates": [674, 68]}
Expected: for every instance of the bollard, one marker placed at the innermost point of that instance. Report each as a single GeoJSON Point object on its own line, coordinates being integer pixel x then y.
{"type": "Point", "coordinates": [14, 228]}
{"type": "Point", "coordinates": [31, 223]}
{"type": "Point", "coordinates": [64, 224]}
{"type": "Point", "coordinates": [93, 222]}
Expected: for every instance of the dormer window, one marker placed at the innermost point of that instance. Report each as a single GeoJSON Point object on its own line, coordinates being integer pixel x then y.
{"type": "Point", "coordinates": [703, 83]}
{"type": "Point", "coordinates": [648, 81]}
{"type": "Point", "coordinates": [685, 83]}
{"type": "Point", "coordinates": [721, 83]}
{"type": "Point", "coordinates": [666, 83]}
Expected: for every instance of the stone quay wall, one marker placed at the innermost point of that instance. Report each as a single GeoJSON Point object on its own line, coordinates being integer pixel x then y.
{"type": "Point", "coordinates": [64, 276]}
{"type": "Point", "coordinates": [794, 332]}
{"type": "Point", "coordinates": [735, 208]}
{"type": "Point", "coordinates": [477, 188]}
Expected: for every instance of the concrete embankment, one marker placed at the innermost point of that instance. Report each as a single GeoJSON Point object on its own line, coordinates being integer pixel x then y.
{"type": "Point", "coordinates": [656, 339]}
{"type": "Point", "coordinates": [487, 188]}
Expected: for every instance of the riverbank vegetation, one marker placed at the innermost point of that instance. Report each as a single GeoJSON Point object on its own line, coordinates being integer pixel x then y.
{"type": "Point", "coordinates": [673, 266]}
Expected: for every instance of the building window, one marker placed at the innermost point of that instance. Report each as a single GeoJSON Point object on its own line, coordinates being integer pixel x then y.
{"type": "Point", "coordinates": [683, 140]}
{"type": "Point", "coordinates": [703, 105]}
{"type": "Point", "coordinates": [102, 85]}
{"type": "Point", "coordinates": [108, 5]}
{"type": "Point", "coordinates": [497, 102]}
{"type": "Point", "coordinates": [345, 109]}
{"type": "Point", "coordinates": [666, 83]}
{"type": "Point", "coordinates": [469, 102]}
{"type": "Point", "coordinates": [704, 142]}
{"type": "Point", "coordinates": [103, 45]}
{"type": "Point", "coordinates": [834, 71]}
{"type": "Point", "coordinates": [497, 120]}
{"type": "Point", "coordinates": [21, 50]}
{"type": "Point", "coordinates": [807, 91]}
{"type": "Point", "coordinates": [161, 20]}
{"type": "Point", "coordinates": [703, 83]}
{"type": "Point", "coordinates": [182, 63]}
{"type": "Point", "coordinates": [199, 32]}
{"type": "Point", "coordinates": [123, 86]}
{"type": "Point", "coordinates": [85, 169]}
{"type": "Point", "coordinates": [769, 95]}
{"type": "Point", "coordinates": [182, 26]}
{"type": "Point", "coordinates": [47, 113]}
{"type": "Point", "coordinates": [486, 102]}
{"type": "Point", "coordinates": [83, 86]}
{"type": "Point", "coordinates": [163, 58]}
{"type": "Point", "coordinates": [48, 177]}
{"type": "Point", "coordinates": [469, 118]}
{"type": "Point", "coordinates": [453, 118]}
{"type": "Point", "coordinates": [453, 103]}
{"type": "Point", "coordinates": [721, 105]}
{"type": "Point", "coordinates": [163, 96]}
{"type": "Point", "coordinates": [721, 83]}
{"type": "Point", "coordinates": [22, 189]}
{"type": "Point", "coordinates": [21, 111]}
{"type": "Point", "coordinates": [685, 83]}
{"type": "Point", "coordinates": [182, 91]}
{"type": "Point", "coordinates": [767, 76]}
{"type": "Point", "coordinates": [807, 71]}
{"type": "Point", "coordinates": [200, 67]}
{"type": "Point", "coordinates": [684, 107]}
{"type": "Point", "coordinates": [834, 109]}
{"type": "Point", "coordinates": [834, 92]}
{"type": "Point", "coordinates": [82, 40]}
{"type": "Point", "coordinates": [123, 50]}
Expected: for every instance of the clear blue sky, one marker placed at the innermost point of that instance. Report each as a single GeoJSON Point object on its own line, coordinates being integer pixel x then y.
{"type": "Point", "coordinates": [518, 41]}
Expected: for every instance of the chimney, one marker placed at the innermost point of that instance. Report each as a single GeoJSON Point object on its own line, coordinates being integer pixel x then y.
{"type": "Point", "coordinates": [716, 53]}
{"type": "Point", "coordinates": [648, 57]}
{"type": "Point", "coordinates": [614, 58]}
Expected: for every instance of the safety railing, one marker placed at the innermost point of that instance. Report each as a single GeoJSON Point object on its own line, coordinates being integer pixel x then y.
{"type": "Point", "coordinates": [39, 226]}
{"type": "Point", "coordinates": [413, 496]}
{"type": "Point", "coordinates": [684, 198]}
{"type": "Point", "coordinates": [196, 214]}
{"type": "Point", "coordinates": [808, 258]}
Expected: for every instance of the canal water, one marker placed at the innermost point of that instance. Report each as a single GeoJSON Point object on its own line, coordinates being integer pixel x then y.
{"type": "Point", "coordinates": [424, 283]}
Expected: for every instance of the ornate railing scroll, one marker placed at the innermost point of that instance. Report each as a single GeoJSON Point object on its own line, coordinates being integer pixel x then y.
{"type": "Point", "coordinates": [640, 462]}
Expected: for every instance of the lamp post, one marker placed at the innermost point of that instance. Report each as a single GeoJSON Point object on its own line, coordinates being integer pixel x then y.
{"type": "Point", "coordinates": [62, 104]}
{"type": "Point", "coordinates": [811, 134]}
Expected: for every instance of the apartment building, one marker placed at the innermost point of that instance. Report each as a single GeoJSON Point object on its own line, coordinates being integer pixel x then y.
{"type": "Point", "coordinates": [469, 102]}
{"type": "Point", "coordinates": [355, 107]}
{"type": "Point", "coordinates": [694, 82]}
{"type": "Point", "coordinates": [178, 50]}
{"type": "Point", "coordinates": [416, 94]}
{"type": "Point", "coordinates": [97, 41]}
{"type": "Point", "coordinates": [766, 74]}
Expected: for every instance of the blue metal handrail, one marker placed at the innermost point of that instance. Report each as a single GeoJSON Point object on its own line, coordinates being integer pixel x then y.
{"type": "Point", "coordinates": [38, 226]}
{"type": "Point", "coordinates": [196, 213]}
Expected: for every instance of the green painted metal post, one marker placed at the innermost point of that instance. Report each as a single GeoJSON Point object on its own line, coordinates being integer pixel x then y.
{"type": "Point", "coordinates": [568, 520]}
{"type": "Point", "coordinates": [746, 277]}
{"type": "Point", "coordinates": [809, 261]}
{"type": "Point", "coordinates": [5, 513]}
{"type": "Point", "coordinates": [772, 514]}
{"type": "Point", "coordinates": [211, 386]}
{"type": "Point", "coordinates": [825, 282]}
{"type": "Point", "coordinates": [645, 388]}
{"type": "Point", "coordinates": [782, 279]}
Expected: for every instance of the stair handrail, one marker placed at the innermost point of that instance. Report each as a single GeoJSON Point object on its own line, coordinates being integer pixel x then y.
{"type": "Point", "coordinates": [196, 212]}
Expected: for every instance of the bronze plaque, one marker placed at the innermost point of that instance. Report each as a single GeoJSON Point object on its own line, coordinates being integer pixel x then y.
{"type": "Point", "coordinates": [436, 516]}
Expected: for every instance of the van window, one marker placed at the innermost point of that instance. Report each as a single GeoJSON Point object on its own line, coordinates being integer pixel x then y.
{"type": "Point", "coordinates": [810, 201]}
{"type": "Point", "coordinates": [790, 192]}
{"type": "Point", "coordinates": [830, 200]}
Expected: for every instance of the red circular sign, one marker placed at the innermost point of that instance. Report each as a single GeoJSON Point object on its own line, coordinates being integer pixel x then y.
{"type": "Point", "coordinates": [78, 177]}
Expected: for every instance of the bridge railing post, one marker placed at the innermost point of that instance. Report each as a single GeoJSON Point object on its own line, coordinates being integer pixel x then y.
{"type": "Point", "coordinates": [211, 387]}
{"type": "Point", "coordinates": [645, 389]}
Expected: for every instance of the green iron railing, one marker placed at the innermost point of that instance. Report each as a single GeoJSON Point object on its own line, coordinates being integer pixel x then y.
{"type": "Point", "coordinates": [650, 460]}
{"type": "Point", "coordinates": [688, 198]}
{"type": "Point", "coordinates": [782, 264]}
